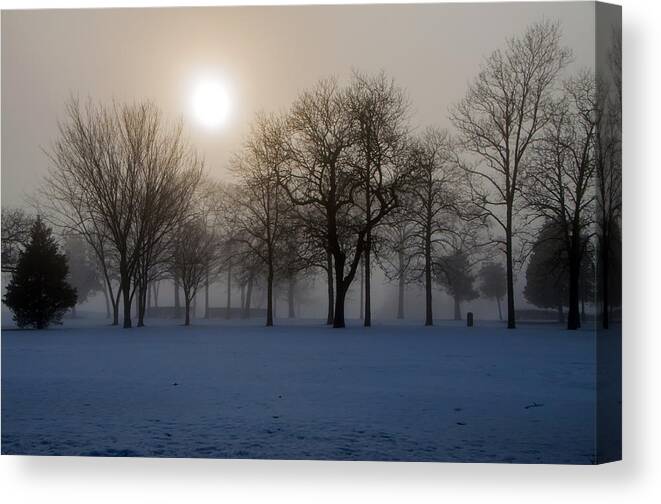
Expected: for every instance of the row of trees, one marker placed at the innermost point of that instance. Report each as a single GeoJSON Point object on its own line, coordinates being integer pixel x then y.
{"type": "Point", "coordinates": [341, 179]}
{"type": "Point", "coordinates": [343, 166]}
{"type": "Point", "coordinates": [200, 263]}
{"type": "Point", "coordinates": [548, 150]}
{"type": "Point", "coordinates": [123, 181]}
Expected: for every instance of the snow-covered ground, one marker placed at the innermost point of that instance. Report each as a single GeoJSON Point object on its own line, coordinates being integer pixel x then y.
{"type": "Point", "coordinates": [300, 390]}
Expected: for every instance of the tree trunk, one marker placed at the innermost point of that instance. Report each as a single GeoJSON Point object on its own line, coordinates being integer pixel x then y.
{"type": "Point", "coordinates": [290, 297]}
{"type": "Point", "coordinates": [269, 297]}
{"type": "Point", "coordinates": [206, 294]}
{"type": "Point", "coordinates": [457, 309]}
{"type": "Point", "coordinates": [148, 299]}
{"type": "Point", "coordinates": [368, 275]}
{"type": "Point", "coordinates": [145, 302]}
{"type": "Point", "coordinates": [561, 314]}
{"type": "Point", "coordinates": [573, 317]}
{"type": "Point", "coordinates": [156, 285]}
{"type": "Point", "coordinates": [73, 311]}
{"type": "Point", "coordinates": [605, 279]}
{"type": "Point", "coordinates": [115, 306]}
{"type": "Point", "coordinates": [429, 321]}
{"type": "Point", "coordinates": [246, 308]}
{"type": "Point", "coordinates": [511, 315]}
{"type": "Point", "coordinates": [400, 289]}
{"type": "Point", "coordinates": [340, 292]}
{"type": "Point", "coordinates": [331, 293]}
{"type": "Point", "coordinates": [177, 301]}
{"type": "Point", "coordinates": [114, 299]}
{"type": "Point", "coordinates": [188, 303]}
{"type": "Point", "coordinates": [126, 291]}
{"type": "Point", "coordinates": [338, 312]}
{"type": "Point", "coordinates": [500, 311]}
{"type": "Point", "coordinates": [136, 302]}
{"type": "Point", "coordinates": [141, 304]}
{"type": "Point", "coordinates": [107, 299]}
{"type": "Point", "coordinates": [229, 292]}
{"type": "Point", "coordinates": [361, 302]}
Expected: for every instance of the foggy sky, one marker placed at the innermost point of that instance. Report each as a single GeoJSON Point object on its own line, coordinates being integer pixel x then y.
{"type": "Point", "coordinates": [266, 54]}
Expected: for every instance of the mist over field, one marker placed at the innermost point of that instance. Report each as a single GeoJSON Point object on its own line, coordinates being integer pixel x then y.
{"type": "Point", "coordinates": [366, 232]}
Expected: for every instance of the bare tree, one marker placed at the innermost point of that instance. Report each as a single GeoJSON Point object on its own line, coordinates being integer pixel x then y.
{"type": "Point", "coordinates": [379, 111]}
{"type": "Point", "coordinates": [398, 245]}
{"type": "Point", "coordinates": [122, 179]}
{"type": "Point", "coordinates": [318, 178]}
{"type": "Point", "coordinates": [250, 269]}
{"type": "Point", "coordinates": [234, 252]}
{"type": "Point", "coordinates": [261, 197]}
{"type": "Point", "coordinates": [312, 248]}
{"type": "Point", "coordinates": [296, 255]}
{"type": "Point", "coordinates": [169, 175]}
{"type": "Point", "coordinates": [501, 116]}
{"type": "Point", "coordinates": [210, 200]}
{"type": "Point", "coordinates": [608, 153]}
{"type": "Point", "coordinates": [433, 205]}
{"type": "Point", "coordinates": [559, 181]}
{"type": "Point", "coordinates": [321, 175]}
{"type": "Point", "coordinates": [194, 253]}
{"type": "Point", "coordinates": [16, 225]}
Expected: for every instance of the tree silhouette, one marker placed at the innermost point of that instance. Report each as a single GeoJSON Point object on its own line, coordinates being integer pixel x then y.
{"type": "Point", "coordinates": [499, 120]}
{"type": "Point", "coordinates": [432, 204]}
{"type": "Point", "coordinates": [547, 279]}
{"type": "Point", "coordinates": [323, 175]}
{"type": "Point", "coordinates": [16, 225]}
{"type": "Point", "coordinates": [453, 272]}
{"type": "Point", "coordinates": [194, 251]}
{"type": "Point", "coordinates": [559, 181]}
{"type": "Point", "coordinates": [379, 110]}
{"type": "Point", "coordinates": [261, 201]}
{"type": "Point", "coordinates": [493, 283]}
{"type": "Point", "coordinates": [38, 294]}
{"type": "Point", "coordinates": [122, 178]}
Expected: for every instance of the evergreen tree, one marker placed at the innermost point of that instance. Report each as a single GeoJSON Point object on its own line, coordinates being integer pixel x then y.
{"type": "Point", "coordinates": [38, 293]}
{"type": "Point", "coordinates": [547, 278]}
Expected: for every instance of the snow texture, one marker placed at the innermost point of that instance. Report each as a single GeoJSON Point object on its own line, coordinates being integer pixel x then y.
{"type": "Point", "coordinates": [235, 389]}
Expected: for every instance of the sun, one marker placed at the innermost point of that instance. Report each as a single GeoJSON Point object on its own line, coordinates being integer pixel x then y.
{"type": "Point", "coordinates": [211, 103]}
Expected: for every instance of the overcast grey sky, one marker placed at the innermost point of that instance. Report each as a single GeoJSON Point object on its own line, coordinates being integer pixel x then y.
{"type": "Point", "coordinates": [266, 55]}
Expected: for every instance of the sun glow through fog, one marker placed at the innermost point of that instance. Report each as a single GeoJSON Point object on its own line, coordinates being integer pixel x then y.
{"type": "Point", "coordinates": [211, 103]}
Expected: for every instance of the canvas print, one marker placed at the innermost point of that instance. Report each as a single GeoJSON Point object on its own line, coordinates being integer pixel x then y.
{"type": "Point", "coordinates": [356, 232]}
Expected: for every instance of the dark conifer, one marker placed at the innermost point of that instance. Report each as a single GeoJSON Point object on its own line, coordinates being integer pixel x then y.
{"type": "Point", "coordinates": [38, 294]}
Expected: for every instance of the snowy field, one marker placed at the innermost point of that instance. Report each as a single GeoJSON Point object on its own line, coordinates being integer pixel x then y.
{"type": "Point", "coordinates": [231, 389]}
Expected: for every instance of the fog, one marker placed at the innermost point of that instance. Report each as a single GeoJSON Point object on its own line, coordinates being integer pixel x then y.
{"type": "Point", "coordinates": [266, 56]}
